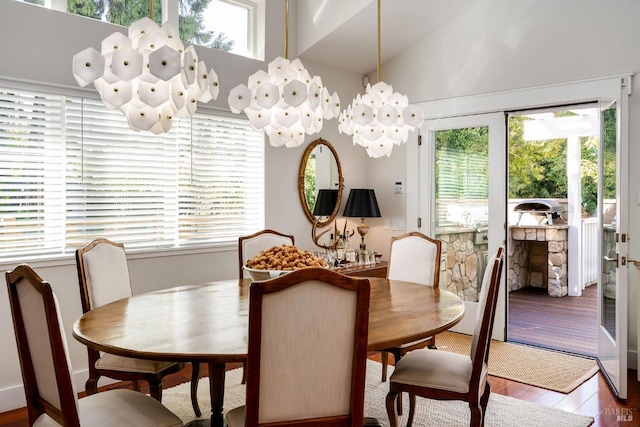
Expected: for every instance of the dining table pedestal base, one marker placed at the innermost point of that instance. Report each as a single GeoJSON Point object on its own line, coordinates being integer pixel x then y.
{"type": "Point", "coordinates": [216, 391]}
{"type": "Point", "coordinates": [198, 423]}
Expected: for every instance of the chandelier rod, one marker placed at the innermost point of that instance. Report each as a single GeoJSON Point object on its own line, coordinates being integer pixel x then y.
{"type": "Point", "coordinates": [378, 40]}
{"type": "Point", "coordinates": [286, 29]}
{"type": "Point", "coordinates": [151, 10]}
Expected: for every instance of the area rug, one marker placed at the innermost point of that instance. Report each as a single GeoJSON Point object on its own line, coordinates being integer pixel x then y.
{"type": "Point", "coordinates": [502, 411]}
{"type": "Point", "coordinates": [547, 369]}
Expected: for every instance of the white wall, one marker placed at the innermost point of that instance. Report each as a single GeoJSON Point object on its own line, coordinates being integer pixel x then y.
{"type": "Point", "coordinates": [323, 17]}
{"type": "Point", "coordinates": [501, 45]}
{"type": "Point", "coordinates": [37, 45]}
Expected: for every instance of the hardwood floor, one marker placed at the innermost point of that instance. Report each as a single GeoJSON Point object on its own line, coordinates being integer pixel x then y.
{"type": "Point", "coordinates": [568, 323]}
{"type": "Point", "coordinates": [592, 398]}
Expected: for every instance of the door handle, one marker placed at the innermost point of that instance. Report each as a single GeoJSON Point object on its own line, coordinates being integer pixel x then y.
{"type": "Point", "coordinates": [612, 259]}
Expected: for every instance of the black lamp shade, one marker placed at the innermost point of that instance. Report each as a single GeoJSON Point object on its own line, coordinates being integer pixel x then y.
{"type": "Point", "coordinates": [362, 203]}
{"type": "Point", "coordinates": [325, 202]}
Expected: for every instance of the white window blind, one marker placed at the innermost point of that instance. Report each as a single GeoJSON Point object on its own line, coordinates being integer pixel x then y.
{"type": "Point", "coordinates": [462, 183]}
{"type": "Point", "coordinates": [221, 170]}
{"type": "Point", "coordinates": [71, 171]}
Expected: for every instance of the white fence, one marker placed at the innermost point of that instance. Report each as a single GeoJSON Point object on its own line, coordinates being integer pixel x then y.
{"type": "Point", "coordinates": [590, 255]}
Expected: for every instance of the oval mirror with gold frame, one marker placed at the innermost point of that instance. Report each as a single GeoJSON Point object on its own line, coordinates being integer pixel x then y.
{"type": "Point", "coordinates": [319, 169]}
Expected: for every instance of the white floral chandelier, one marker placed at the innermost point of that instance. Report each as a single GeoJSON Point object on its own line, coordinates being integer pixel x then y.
{"type": "Point", "coordinates": [285, 102]}
{"type": "Point", "coordinates": [381, 118]}
{"type": "Point", "coordinates": [149, 75]}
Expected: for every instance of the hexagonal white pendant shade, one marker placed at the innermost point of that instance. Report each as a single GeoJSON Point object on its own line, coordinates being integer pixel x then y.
{"type": "Point", "coordinates": [149, 75]}
{"type": "Point", "coordinates": [285, 102]}
{"type": "Point", "coordinates": [380, 119]}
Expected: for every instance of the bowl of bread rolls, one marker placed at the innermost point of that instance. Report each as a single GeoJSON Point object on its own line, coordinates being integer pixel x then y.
{"type": "Point", "coordinates": [278, 260]}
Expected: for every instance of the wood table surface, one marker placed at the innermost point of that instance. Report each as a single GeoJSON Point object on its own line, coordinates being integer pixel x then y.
{"type": "Point", "coordinates": [208, 323]}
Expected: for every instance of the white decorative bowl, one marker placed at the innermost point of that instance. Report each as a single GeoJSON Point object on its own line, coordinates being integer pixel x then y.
{"type": "Point", "coordinates": [257, 275]}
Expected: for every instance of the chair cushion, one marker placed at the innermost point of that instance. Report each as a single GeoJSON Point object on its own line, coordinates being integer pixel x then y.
{"type": "Point", "coordinates": [117, 408]}
{"type": "Point", "coordinates": [129, 364]}
{"type": "Point", "coordinates": [436, 369]}
{"type": "Point", "coordinates": [235, 417]}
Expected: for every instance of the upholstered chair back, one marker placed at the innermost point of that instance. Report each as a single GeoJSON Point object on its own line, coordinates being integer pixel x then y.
{"type": "Point", "coordinates": [414, 257]}
{"type": "Point", "coordinates": [487, 302]}
{"type": "Point", "coordinates": [307, 347]}
{"type": "Point", "coordinates": [42, 347]}
{"type": "Point", "coordinates": [104, 266]}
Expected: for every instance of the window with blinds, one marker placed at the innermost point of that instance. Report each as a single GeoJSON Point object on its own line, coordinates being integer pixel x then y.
{"type": "Point", "coordinates": [71, 171]}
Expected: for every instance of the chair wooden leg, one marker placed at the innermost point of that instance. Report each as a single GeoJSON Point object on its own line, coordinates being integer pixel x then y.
{"type": "Point", "coordinates": [195, 378]}
{"type": "Point", "coordinates": [244, 373]}
{"type": "Point", "coordinates": [484, 400]}
{"type": "Point", "coordinates": [384, 356]}
{"type": "Point", "coordinates": [392, 413]}
{"type": "Point", "coordinates": [91, 386]}
{"type": "Point", "coordinates": [412, 409]}
{"type": "Point", "coordinates": [432, 346]}
{"type": "Point", "coordinates": [396, 358]}
{"type": "Point", "coordinates": [155, 390]}
{"type": "Point", "coordinates": [476, 415]}
{"type": "Point", "coordinates": [136, 385]}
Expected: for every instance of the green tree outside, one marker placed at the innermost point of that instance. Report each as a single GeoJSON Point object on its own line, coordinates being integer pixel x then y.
{"type": "Point", "coordinates": [126, 12]}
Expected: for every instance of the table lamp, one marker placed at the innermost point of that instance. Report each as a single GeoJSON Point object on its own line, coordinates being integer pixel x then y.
{"type": "Point", "coordinates": [362, 203]}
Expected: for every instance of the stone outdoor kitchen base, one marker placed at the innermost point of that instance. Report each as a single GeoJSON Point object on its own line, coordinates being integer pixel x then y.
{"type": "Point", "coordinates": [538, 258]}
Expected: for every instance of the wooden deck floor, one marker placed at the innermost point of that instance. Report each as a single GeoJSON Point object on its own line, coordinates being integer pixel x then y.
{"type": "Point", "coordinates": [568, 323]}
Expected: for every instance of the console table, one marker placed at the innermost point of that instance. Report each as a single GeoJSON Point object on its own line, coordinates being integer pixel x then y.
{"type": "Point", "coordinates": [378, 269]}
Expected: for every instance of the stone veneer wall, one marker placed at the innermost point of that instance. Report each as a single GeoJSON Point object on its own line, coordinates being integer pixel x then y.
{"type": "Point", "coordinates": [461, 255]}
{"type": "Point", "coordinates": [538, 257]}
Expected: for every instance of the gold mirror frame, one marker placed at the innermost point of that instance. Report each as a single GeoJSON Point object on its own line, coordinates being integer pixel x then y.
{"type": "Point", "coordinates": [301, 174]}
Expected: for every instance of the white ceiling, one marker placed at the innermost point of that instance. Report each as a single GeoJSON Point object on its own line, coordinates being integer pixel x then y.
{"type": "Point", "coordinates": [353, 46]}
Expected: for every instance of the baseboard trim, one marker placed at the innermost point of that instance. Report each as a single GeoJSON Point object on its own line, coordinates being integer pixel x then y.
{"type": "Point", "coordinates": [13, 397]}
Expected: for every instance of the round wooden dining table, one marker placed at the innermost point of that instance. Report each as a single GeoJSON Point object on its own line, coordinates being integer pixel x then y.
{"type": "Point", "coordinates": [208, 323]}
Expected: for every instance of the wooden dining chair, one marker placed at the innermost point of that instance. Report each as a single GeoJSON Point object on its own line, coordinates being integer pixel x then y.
{"type": "Point", "coordinates": [443, 375]}
{"type": "Point", "coordinates": [249, 246]}
{"type": "Point", "coordinates": [46, 368]}
{"type": "Point", "coordinates": [103, 276]}
{"type": "Point", "coordinates": [307, 351]}
{"type": "Point", "coordinates": [413, 257]}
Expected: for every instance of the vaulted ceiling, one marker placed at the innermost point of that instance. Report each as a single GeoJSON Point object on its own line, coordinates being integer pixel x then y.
{"type": "Point", "coordinates": [353, 46]}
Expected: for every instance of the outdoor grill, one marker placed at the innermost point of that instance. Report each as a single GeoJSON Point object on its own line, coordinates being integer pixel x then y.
{"type": "Point", "coordinates": [539, 208]}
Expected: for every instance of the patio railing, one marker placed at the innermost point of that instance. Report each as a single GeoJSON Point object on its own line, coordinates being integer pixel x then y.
{"type": "Point", "coordinates": [590, 255]}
